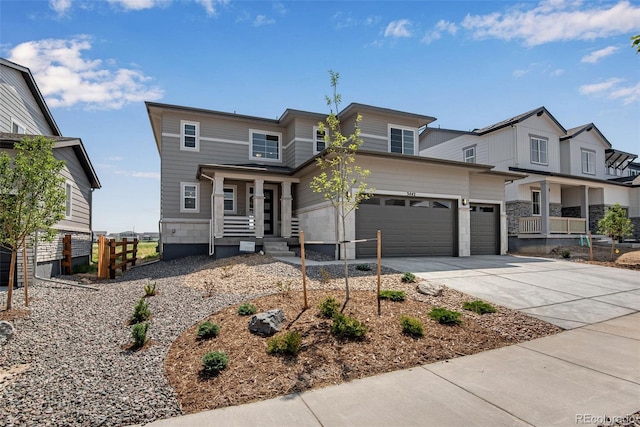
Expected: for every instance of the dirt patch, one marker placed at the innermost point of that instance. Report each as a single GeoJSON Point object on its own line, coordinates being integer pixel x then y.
{"type": "Point", "coordinates": [629, 258]}
{"type": "Point", "coordinates": [14, 314]}
{"type": "Point", "coordinates": [8, 375]}
{"type": "Point", "coordinates": [253, 375]}
{"type": "Point", "coordinates": [623, 257]}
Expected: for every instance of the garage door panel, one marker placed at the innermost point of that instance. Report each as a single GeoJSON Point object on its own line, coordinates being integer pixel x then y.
{"type": "Point", "coordinates": [485, 229]}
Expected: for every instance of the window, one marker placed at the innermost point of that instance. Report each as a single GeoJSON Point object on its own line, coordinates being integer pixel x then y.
{"type": "Point", "coordinates": [68, 189]}
{"type": "Point", "coordinates": [535, 202]}
{"type": "Point", "coordinates": [189, 136]}
{"type": "Point", "coordinates": [265, 146]}
{"type": "Point", "coordinates": [394, 202]}
{"type": "Point", "coordinates": [634, 172]}
{"type": "Point", "coordinates": [469, 154]}
{"type": "Point", "coordinates": [229, 198]}
{"type": "Point", "coordinates": [17, 128]}
{"type": "Point", "coordinates": [539, 151]}
{"type": "Point", "coordinates": [588, 162]}
{"type": "Point", "coordinates": [189, 197]}
{"type": "Point", "coordinates": [319, 143]}
{"type": "Point", "coordinates": [401, 140]}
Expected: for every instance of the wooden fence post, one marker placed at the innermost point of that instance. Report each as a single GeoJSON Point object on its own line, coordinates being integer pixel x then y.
{"type": "Point", "coordinates": [66, 252]}
{"type": "Point", "coordinates": [135, 252]}
{"type": "Point", "coordinates": [112, 258]}
{"type": "Point", "coordinates": [103, 257]}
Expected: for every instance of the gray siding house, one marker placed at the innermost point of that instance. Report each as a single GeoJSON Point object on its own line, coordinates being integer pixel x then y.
{"type": "Point", "coordinates": [23, 112]}
{"type": "Point", "coordinates": [574, 175]}
{"type": "Point", "coordinates": [228, 178]}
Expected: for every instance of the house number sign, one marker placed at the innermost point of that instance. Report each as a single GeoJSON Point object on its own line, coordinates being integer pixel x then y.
{"type": "Point", "coordinates": [411, 193]}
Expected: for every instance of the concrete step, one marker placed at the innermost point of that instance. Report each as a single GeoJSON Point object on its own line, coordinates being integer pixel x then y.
{"type": "Point", "coordinates": [280, 253]}
{"type": "Point", "coordinates": [276, 248]}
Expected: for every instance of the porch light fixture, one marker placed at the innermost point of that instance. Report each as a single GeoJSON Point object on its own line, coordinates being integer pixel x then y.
{"type": "Point", "coordinates": [464, 202]}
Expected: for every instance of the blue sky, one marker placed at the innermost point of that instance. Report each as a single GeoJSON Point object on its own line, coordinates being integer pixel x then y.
{"type": "Point", "coordinates": [467, 63]}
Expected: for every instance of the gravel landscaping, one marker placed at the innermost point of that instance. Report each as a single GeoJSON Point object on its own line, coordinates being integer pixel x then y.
{"type": "Point", "coordinates": [69, 362]}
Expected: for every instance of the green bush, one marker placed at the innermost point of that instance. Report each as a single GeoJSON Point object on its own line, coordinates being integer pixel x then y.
{"type": "Point", "coordinates": [444, 316]}
{"type": "Point", "coordinates": [479, 307]}
{"type": "Point", "coordinates": [393, 295]}
{"type": "Point", "coordinates": [214, 362]}
{"type": "Point", "coordinates": [246, 309]}
{"type": "Point", "coordinates": [347, 327]}
{"type": "Point", "coordinates": [565, 254]}
{"type": "Point", "coordinates": [139, 334]}
{"type": "Point", "coordinates": [208, 329]}
{"type": "Point", "coordinates": [150, 289]}
{"type": "Point", "coordinates": [328, 307]}
{"type": "Point", "coordinates": [85, 268]}
{"type": "Point", "coordinates": [408, 277]}
{"type": "Point", "coordinates": [141, 312]}
{"type": "Point", "coordinates": [412, 326]}
{"type": "Point", "coordinates": [363, 267]}
{"type": "Point", "coordinates": [288, 343]}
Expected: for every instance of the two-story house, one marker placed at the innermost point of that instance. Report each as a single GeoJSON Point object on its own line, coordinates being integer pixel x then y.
{"type": "Point", "coordinates": [569, 184]}
{"type": "Point", "coordinates": [228, 178]}
{"type": "Point", "coordinates": [23, 112]}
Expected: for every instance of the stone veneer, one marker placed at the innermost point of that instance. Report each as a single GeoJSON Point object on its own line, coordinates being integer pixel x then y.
{"type": "Point", "coordinates": [515, 210]}
{"type": "Point", "coordinates": [555, 209]}
{"type": "Point", "coordinates": [596, 212]}
{"type": "Point", "coordinates": [636, 228]}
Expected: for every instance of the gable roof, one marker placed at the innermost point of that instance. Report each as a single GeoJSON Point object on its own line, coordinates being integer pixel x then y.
{"type": "Point", "coordinates": [354, 107]}
{"type": "Point", "coordinates": [33, 87]}
{"type": "Point", "coordinates": [519, 118]}
{"type": "Point", "coordinates": [573, 132]}
{"type": "Point", "coordinates": [8, 140]}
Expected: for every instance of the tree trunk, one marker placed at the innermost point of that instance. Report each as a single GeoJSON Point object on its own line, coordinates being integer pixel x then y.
{"type": "Point", "coordinates": [613, 243]}
{"type": "Point", "coordinates": [12, 272]}
{"type": "Point", "coordinates": [24, 272]}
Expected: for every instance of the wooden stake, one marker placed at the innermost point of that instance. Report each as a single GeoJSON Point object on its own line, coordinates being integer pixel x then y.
{"type": "Point", "coordinates": [379, 262]}
{"type": "Point", "coordinates": [304, 272]}
{"type": "Point", "coordinates": [590, 247]}
{"type": "Point", "coordinates": [24, 271]}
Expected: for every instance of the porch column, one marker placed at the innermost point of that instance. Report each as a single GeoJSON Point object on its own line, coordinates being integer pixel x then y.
{"type": "Point", "coordinates": [258, 206]}
{"type": "Point", "coordinates": [544, 208]}
{"type": "Point", "coordinates": [218, 206]}
{"type": "Point", "coordinates": [584, 207]}
{"type": "Point", "coordinates": [285, 210]}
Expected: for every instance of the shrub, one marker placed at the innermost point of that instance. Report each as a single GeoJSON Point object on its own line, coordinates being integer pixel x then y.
{"type": "Point", "coordinates": [325, 276]}
{"type": "Point", "coordinates": [214, 362]}
{"type": "Point", "coordinates": [141, 312]}
{"type": "Point", "coordinates": [150, 289]}
{"type": "Point", "coordinates": [288, 343]}
{"type": "Point", "coordinates": [393, 295]}
{"type": "Point", "coordinates": [85, 268]}
{"type": "Point", "coordinates": [444, 316]}
{"type": "Point", "coordinates": [363, 267]}
{"type": "Point", "coordinates": [408, 277]}
{"type": "Point", "coordinates": [479, 307]}
{"type": "Point", "coordinates": [328, 307]}
{"type": "Point", "coordinates": [139, 334]}
{"type": "Point", "coordinates": [208, 329]}
{"type": "Point", "coordinates": [412, 326]}
{"type": "Point", "coordinates": [246, 309]}
{"type": "Point", "coordinates": [347, 327]}
{"type": "Point", "coordinates": [284, 287]}
{"type": "Point", "coordinates": [565, 254]}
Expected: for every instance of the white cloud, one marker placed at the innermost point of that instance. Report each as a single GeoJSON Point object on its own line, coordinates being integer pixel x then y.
{"type": "Point", "coordinates": [60, 6]}
{"type": "Point", "coordinates": [557, 73]}
{"type": "Point", "coordinates": [115, 158]}
{"type": "Point", "coordinates": [628, 94]}
{"type": "Point", "coordinates": [599, 87]}
{"type": "Point", "coordinates": [556, 20]}
{"type": "Point", "coordinates": [342, 20]}
{"type": "Point", "coordinates": [139, 174]}
{"type": "Point", "coordinates": [67, 79]}
{"type": "Point", "coordinates": [520, 73]}
{"type": "Point", "coordinates": [595, 56]}
{"type": "Point", "coordinates": [399, 28]}
{"type": "Point", "coordinates": [613, 88]}
{"type": "Point", "coordinates": [263, 20]}
{"type": "Point", "coordinates": [138, 4]}
{"type": "Point", "coordinates": [280, 8]}
{"type": "Point", "coordinates": [441, 27]}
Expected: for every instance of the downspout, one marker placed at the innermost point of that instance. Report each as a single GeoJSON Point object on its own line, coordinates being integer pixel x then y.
{"type": "Point", "coordinates": [212, 245]}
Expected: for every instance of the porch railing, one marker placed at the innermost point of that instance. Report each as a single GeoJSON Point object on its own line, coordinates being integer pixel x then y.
{"type": "Point", "coordinates": [557, 225]}
{"type": "Point", "coordinates": [239, 226]}
{"type": "Point", "coordinates": [295, 226]}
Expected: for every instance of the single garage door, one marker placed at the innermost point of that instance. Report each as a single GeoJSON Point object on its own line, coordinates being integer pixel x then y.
{"type": "Point", "coordinates": [485, 234]}
{"type": "Point", "coordinates": [409, 226]}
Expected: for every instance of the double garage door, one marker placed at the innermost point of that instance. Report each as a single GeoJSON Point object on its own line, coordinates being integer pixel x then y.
{"type": "Point", "coordinates": [423, 227]}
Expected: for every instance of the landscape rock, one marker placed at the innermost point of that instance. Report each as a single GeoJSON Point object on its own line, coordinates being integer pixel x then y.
{"type": "Point", "coordinates": [267, 323]}
{"type": "Point", "coordinates": [432, 289]}
{"type": "Point", "coordinates": [6, 331]}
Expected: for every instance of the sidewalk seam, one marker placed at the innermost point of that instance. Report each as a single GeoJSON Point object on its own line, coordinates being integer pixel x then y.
{"type": "Point", "coordinates": [310, 410]}
{"type": "Point", "coordinates": [479, 397]}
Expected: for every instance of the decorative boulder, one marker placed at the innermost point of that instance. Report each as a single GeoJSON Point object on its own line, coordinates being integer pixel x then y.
{"type": "Point", "coordinates": [432, 289]}
{"type": "Point", "coordinates": [267, 323]}
{"type": "Point", "coordinates": [6, 331]}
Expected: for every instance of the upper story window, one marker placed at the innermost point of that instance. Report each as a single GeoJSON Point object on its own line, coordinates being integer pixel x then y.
{"type": "Point", "coordinates": [17, 128]}
{"type": "Point", "coordinates": [634, 172]}
{"type": "Point", "coordinates": [68, 190]}
{"type": "Point", "coordinates": [189, 136]}
{"type": "Point", "coordinates": [613, 168]}
{"type": "Point", "coordinates": [229, 198]}
{"type": "Point", "coordinates": [539, 151]}
{"type": "Point", "coordinates": [469, 154]}
{"type": "Point", "coordinates": [588, 162]}
{"type": "Point", "coordinates": [189, 197]}
{"type": "Point", "coordinates": [265, 146]}
{"type": "Point", "coordinates": [402, 140]}
{"type": "Point", "coordinates": [535, 202]}
{"type": "Point", "coordinates": [319, 143]}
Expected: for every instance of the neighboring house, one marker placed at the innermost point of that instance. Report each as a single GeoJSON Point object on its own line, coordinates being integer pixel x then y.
{"type": "Point", "coordinates": [97, 234]}
{"type": "Point", "coordinates": [229, 178]}
{"type": "Point", "coordinates": [23, 112]}
{"type": "Point", "coordinates": [150, 236]}
{"type": "Point", "coordinates": [572, 174]}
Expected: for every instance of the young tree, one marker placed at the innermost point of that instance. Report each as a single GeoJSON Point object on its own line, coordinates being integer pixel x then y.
{"type": "Point", "coordinates": [341, 181]}
{"type": "Point", "coordinates": [635, 42]}
{"type": "Point", "coordinates": [32, 196]}
{"type": "Point", "coordinates": [615, 224]}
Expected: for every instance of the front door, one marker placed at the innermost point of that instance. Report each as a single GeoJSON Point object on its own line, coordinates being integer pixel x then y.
{"type": "Point", "coordinates": [268, 212]}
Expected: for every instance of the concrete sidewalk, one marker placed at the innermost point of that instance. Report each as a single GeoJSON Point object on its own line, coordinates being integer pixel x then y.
{"type": "Point", "coordinates": [572, 378]}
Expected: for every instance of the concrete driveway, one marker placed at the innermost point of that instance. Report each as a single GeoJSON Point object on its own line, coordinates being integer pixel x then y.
{"type": "Point", "coordinates": [567, 294]}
